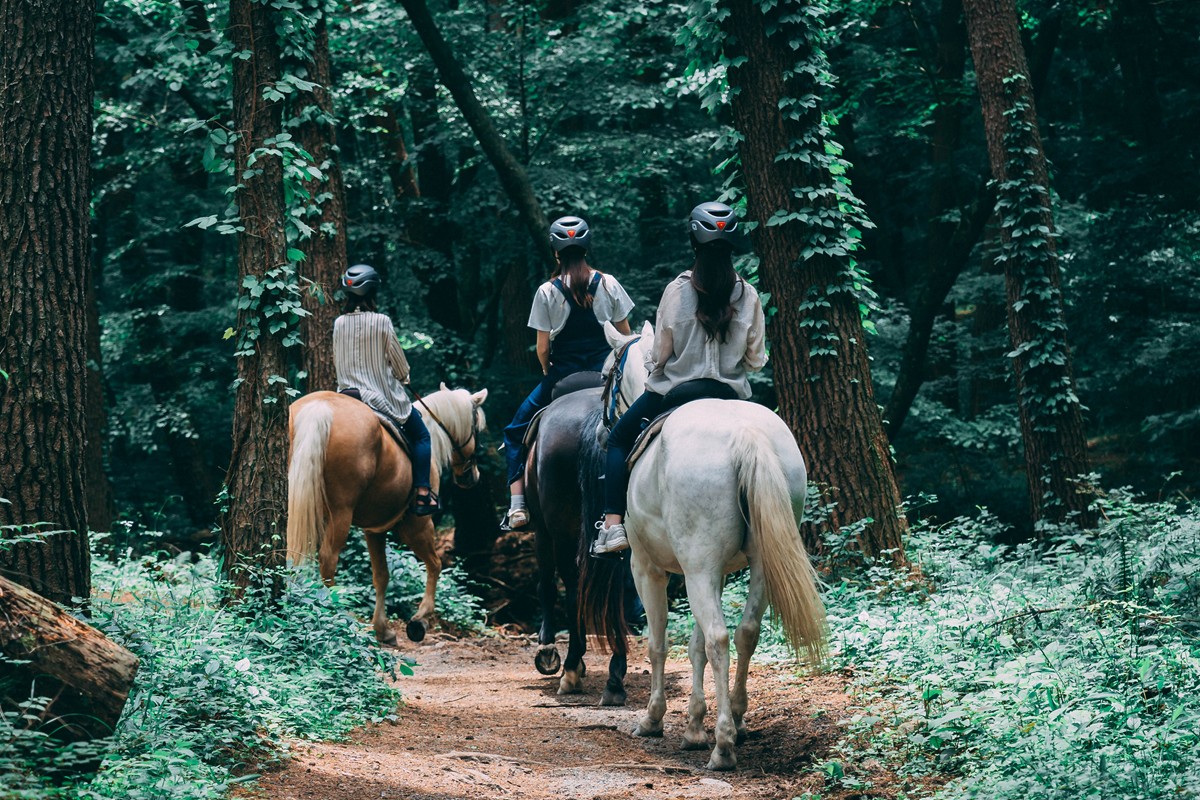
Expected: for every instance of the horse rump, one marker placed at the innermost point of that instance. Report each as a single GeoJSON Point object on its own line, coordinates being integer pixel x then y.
{"type": "Point", "coordinates": [308, 506]}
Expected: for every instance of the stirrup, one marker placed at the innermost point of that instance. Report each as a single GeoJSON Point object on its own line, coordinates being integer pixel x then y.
{"type": "Point", "coordinates": [425, 504]}
{"type": "Point", "coordinates": [613, 546]}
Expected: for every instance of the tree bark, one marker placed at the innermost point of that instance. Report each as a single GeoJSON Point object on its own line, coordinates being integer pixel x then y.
{"type": "Point", "coordinates": [253, 518]}
{"type": "Point", "coordinates": [86, 675]}
{"type": "Point", "coordinates": [818, 344]}
{"type": "Point", "coordinates": [512, 175]}
{"type": "Point", "coordinates": [325, 260]}
{"type": "Point", "coordinates": [97, 491]}
{"type": "Point", "coordinates": [1050, 412]}
{"type": "Point", "coordinates": [45, 144]}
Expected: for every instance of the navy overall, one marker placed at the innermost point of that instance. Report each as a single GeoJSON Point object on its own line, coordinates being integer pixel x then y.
{"type": "Point", "coordinates": [579, 346]}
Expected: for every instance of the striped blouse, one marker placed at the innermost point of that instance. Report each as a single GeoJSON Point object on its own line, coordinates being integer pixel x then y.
{"type": "Point", "coordinates": [368, 357]}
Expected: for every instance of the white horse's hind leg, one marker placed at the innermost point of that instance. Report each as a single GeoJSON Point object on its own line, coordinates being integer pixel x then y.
{"type": "Point", "coordinates": [704, 595]}
{"type": "Point", "coordinates": [652, 588]}
{"type": "Point", "coordinates": [694, 738]}
{"type": "Point", "coordinates": [746, 640]}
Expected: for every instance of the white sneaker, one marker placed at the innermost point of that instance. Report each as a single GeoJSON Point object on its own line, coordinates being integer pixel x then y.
{"type": "Point", "coordinates": [610, 539]}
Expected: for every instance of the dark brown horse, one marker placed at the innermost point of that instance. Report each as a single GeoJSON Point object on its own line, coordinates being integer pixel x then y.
{"type": "Point", "coordinates": [564, 458]}
{"type": "Point", "coordinates": [344, 470]}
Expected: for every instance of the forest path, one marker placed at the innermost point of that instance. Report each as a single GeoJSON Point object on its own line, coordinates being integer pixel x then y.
{"type": "Point", "coordinates": [479, 722]}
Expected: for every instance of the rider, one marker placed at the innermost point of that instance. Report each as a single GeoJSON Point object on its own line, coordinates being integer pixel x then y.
{"type": "Point", "coordinates": [368, 358]}
{"type": "Point", "coordinates": [710, 326]}
{"type": "Point", "coordinates": [568, 313]}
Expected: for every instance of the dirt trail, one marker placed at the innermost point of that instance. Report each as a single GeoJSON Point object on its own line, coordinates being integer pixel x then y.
{"type": "Point", "coordinates": [479, 722]}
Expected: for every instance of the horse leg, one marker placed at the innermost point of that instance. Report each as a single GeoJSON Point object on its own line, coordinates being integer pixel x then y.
{"type": "Point", "coordinates": [573, 668]}
{"type": "Point", "coordinates": [745, 638]}
{"type": "Point", "coordinates": [694, 737]}
{"type": "Point", "coordinates": [418, 533]}
{"type": "Point", "coordinates": [704, 595]}
{"type": "Point", "coordinates": [332, 543]}
{"type": "Point", "coordinates": [376, 547]}
{"type": "Point", "coordinates": [547, 660]}
{"type": "Point", "coordinates": [614, 689]}
{"type": "Point", "coordinates": [652, 587]}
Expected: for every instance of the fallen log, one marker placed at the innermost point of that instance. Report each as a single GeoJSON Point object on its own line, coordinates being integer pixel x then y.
{"type": "Point", "coordinates": [85, 675]}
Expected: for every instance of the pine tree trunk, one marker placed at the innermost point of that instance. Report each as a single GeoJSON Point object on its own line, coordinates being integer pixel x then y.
{"type": "Point", "coordinates": [45, 145]}
{"type": "Point", "coordinates": [257, 477]}
{"type": "Point", "coordinates": [98, 490]}
{"type": "Point", "coordinates": [1050, 412]}
{"type": "Point", "coordinates": [326, 251]}
{"type": "Point", "coordinates": [818, 344]}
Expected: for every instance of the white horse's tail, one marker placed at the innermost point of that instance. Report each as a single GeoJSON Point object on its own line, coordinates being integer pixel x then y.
{"type": "Point", "coordinates": [791, 582]}
{"type": "Point", "coordinates": [307, 504]}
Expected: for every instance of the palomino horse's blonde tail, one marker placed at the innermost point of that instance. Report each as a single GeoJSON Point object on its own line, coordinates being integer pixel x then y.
{"type": "Point", "coordinates": [307, 504]}
{"type": "Point", "coordinates": [790, 579]}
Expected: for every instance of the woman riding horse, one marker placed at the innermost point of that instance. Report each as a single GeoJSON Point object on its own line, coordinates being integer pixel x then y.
{"type": "Point", "coordinates": [369, 360]}
{"type": "Point", "coordinates": [568, 313]}
{"type": "Point", "coordinates": [710, 327]}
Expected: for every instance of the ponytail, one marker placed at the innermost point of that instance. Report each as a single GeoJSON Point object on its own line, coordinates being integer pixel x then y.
{"type": "Point", "coordinates": [573, 266]}
{"type": "Point", "coordinates": [713, 278]}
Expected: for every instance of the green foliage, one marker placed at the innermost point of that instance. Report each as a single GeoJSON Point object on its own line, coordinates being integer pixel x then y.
{"type": "Point", "coordinates": [220, 686]}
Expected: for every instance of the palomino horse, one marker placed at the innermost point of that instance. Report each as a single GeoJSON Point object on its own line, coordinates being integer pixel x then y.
{"type": "Point", "coordinates": [345, 469]}
{"type": "Point", "coordinates": [563, 458]}
{"type": "Point", "coordinates": [721, 488]}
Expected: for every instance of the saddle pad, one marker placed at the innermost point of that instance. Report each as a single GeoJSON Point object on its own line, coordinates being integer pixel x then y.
{"type": "Point", "coordinates": [647, 436]}
{"type": "Point", "coordinates": [532, 431]}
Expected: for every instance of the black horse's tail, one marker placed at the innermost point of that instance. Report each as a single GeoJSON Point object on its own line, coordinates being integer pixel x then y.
{"type": "Point", "coordinates": [601, 580]}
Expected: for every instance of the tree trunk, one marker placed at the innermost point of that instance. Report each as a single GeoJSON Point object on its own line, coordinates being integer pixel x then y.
{"type": "Point", "coordinates": [512, 175]}
{"type": "Point", "coordinates": [818, 344]}
{"type": "Point", "coordinates": [1050, 412]}
{"type": "Point", "coordinates": [45, 142]}
{"type": "Point", "coordinates": [257, 479]}
{"type": "Point", "coordinates": [326, 257]}
{"type": "Point", "coordinates": [97, 491]}
{"type": "Point", "coordinates": [86, 675]}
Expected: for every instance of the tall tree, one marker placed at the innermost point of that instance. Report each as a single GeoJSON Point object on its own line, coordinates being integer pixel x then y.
{"type": "Point", "coordinates": [257, 482]}
{"type": "Point", "coordinates": [1050, 411]}
{"type": "Point", "coordinates": [805, 237]}
{"type": "Point", "coordinates": [45, 148]}
{"type": "Point", "coordinates": [325, 260]}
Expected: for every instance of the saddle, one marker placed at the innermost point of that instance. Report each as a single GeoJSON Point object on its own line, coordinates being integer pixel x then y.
{"type": "Point", "coordinates": [389, 424]}
{"type": "Point", "coordinates": [576, 382]}
{"type": "Point", "coordinates": [700, 389]}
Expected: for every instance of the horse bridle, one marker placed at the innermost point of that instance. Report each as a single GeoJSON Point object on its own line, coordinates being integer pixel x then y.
{"type": "Point", "coordinates": [615, 379]}
{"type": "Point", "coordinates": [469, 462]}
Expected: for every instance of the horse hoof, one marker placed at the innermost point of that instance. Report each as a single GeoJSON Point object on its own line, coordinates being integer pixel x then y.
{"type": "Point", "coordinates": [570, 684]}
{"type": "Point", "coordinates": [742, 734]}
{"type": "Point", "coordinates": [386, 636]}
{"type": "Point", "coordinates": [415, 630]}
{"type": "Point", "coordinates": [722, 763]}
{"type": "Point", "coordinates": [547, 660]}
{"type": "Point", "coordinates": [694, 744]}
{"type": "Point", "coordinates": [611, 698]}
{"type": "Point", "coordinates": [650, 732]}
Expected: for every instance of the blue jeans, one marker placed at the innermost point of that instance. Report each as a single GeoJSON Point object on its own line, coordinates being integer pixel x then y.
{"type": "Point", "coordinates": [418, 436]}
{"type": "Point", "coordinates": [620, 443]}
{"type": "Point", "coordinates": [514, 434]}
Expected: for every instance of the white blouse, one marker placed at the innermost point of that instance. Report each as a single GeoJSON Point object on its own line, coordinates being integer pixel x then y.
{"type": "Point", "coordinates": [684, 352]}
{"type": "Point", "coordinates": [367, 356]}
{"type": "Point", "coordinates": [551, 309]}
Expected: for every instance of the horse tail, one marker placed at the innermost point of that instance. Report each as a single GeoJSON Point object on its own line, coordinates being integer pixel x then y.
{"type": "Point", "coordinates": [307, 503]}
{"type": "Point", "coordinates": [791, 582]}
{"type": "Point", "coordinates": [602, 581]}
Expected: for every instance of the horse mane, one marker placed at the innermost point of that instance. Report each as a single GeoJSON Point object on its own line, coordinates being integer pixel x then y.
{"type": "Point", "coordinates": [454, 408]}
{"type": "Point", "coordinates": [601, 606]}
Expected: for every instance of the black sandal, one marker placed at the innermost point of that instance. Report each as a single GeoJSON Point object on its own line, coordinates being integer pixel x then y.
{"type": "Point", "coordinates": [425, 504]}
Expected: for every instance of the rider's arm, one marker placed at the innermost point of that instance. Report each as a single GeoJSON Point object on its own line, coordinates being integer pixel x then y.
{"type": "Point", "coordinates": [394, 354]}
{"type": "Point", "coordinates": [622, 326]}
{"type": "Point", "coordinates": [543, 350]}
{"type": "Point", "coordinates": [756, 338]}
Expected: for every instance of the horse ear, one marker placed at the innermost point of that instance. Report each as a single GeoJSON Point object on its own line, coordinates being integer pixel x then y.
{"type": "Point", "coordinates": [648, 330]}
{"type": "Point", "coordinates": [615, 337]}
{"type": "Point", "coordinates": [479, 397]}
{"type": "Point", "coordinates": [443, 387]}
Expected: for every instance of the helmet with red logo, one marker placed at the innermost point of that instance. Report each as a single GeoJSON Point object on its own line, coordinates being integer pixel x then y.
{"type": "Point", "coordinates": [713, 222]}
{"type": "Point", "coordinates": [570, 232]}
{"type": "Point", "coordinates": [361, 280]}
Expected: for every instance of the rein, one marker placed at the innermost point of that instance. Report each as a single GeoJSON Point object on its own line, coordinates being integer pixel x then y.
{"type": "Point", "coordinates": [467, 461]}
{"type": "Point", "coordinates": [615, 378]}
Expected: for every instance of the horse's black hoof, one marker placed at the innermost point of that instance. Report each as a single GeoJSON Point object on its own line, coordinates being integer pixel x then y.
{"type": "Point", "coordinates": [415, 630]}
{"type": "Point", "coordinates": [610, 698]}
{"type": "Point", "coordinates": [547, 660]}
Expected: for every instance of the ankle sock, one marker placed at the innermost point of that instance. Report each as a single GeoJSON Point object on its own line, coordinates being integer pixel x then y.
{"type": "Point", "coordinates": [517, 501]}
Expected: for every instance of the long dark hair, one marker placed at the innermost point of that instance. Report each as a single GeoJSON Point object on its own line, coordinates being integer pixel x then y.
{"type": "Point", "coordinates": [714, 278]}
{"type": "Point", "coordinates": [356, 303]}
{"type": "Point", "coordinates": [573, 266]}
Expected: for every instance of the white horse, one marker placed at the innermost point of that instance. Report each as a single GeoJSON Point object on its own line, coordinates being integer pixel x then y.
{"type": "Point", "coordinates": [722, 487]}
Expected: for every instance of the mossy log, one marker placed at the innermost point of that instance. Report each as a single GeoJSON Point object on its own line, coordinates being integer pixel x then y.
{"type": "Point", "coordinates": [85, 674]}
